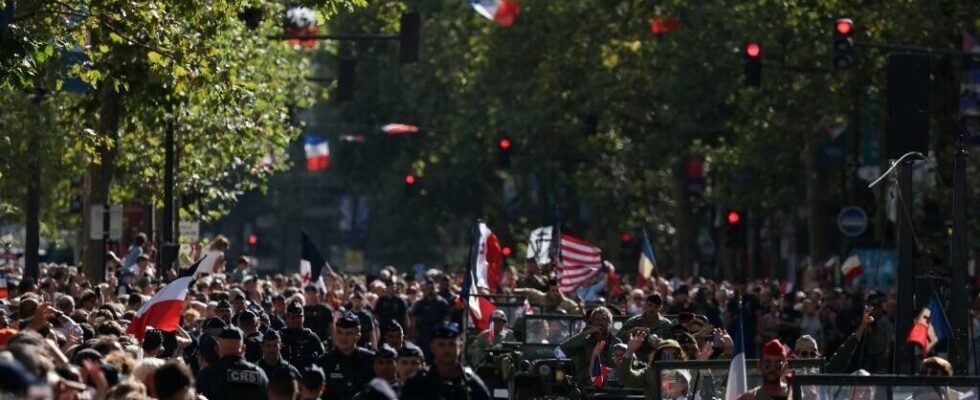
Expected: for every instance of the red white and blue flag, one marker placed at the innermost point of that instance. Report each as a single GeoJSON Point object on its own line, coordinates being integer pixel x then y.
{"type": "Point", "coordinates": [600, 373]}
{"type": "Point", "coordinates": [579, 262]}
{"type": "Point", "coordinates": [3, 285]}
{"type": "Point", "coordinates": [930, 327]}
{"type": "Point", "coordinates": [483, 271]}
{"type": "Point", "coordinates": [503, 12]}
{"type": "Point", "coordinates": [317, 152]}
{"type": "Point", "coordinates": [399, 129]}
{"type": "Point", "coordinates": [162, 311]}
{"type": "Point", "coordinates": [648, 262]}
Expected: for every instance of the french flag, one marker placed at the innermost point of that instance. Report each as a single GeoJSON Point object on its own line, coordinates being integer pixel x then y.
{"type": "Point", "coordinates": [648, 262]}
{"type": "Point", "coordinates": [600, 373]}
{"type": "Point", "coordinates": [3, 286]}
{"type": "Point", "coordinates": [485, 266]}
{"type": "Point", "coordinates": [503, 12]}
{"type": "Point", "coordinates": [162, 311]}
{"type": "Point", "coordinates": [930, 327]}
{"type": "Point", "coordinates": [317, 152]}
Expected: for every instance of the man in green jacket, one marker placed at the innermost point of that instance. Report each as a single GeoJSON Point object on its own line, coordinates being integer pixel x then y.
{"type": "Point", "coordinates": [552, 301]}
{"type": "Point", "coordinates": [652, 320]}
{"type": "Point", "coordinates": [483, 343]}
{"type": "Point", "coordinates": [579, 348]}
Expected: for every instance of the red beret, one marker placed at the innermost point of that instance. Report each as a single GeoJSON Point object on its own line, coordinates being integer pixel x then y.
{"type": "Point", "coordinates": [774, 348]}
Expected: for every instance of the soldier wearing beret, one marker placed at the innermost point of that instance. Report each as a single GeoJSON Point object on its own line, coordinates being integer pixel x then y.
{"type": "Point", "coordinates": [410, 361]}
{"type": "Point", "coordinates": [300, 346]}
{"type": "Point", "coordinates": [446, 379]}
{"type": "Point", "coordinates": [232, 377]}
{"type": "Point", "coordinates": [348, 367]}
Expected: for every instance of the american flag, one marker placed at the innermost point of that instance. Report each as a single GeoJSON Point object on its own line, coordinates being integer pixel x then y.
{"type": "Point", "coordinates": [580, 261]}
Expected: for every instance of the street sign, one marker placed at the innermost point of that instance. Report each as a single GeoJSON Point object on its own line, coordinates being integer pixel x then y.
{"type": "Point", "coordinates": [97, 228]}
{"type": "Point", "coordinates": [189, 230]}
{"type": "Point", "coordinates": [852, 221]}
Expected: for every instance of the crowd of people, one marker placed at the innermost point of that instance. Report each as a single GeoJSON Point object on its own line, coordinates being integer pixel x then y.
{"type": "Point", "coordinates": [393, 334]}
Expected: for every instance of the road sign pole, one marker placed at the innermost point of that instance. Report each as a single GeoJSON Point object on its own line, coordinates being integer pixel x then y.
{"type": "Point", "coordinates": [959, 313]}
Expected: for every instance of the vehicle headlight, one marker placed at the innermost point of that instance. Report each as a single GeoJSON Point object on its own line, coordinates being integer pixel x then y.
{"type": "Point", "coordinates": [544, 370]}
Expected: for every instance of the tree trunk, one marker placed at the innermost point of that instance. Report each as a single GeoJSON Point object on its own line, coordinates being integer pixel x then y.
{"type": "Point", "coordinates": [100, 174]}
{"type": "Point", "coordinates": [816, 187]}
{"type": "Point", "coordinates": [684, 222]}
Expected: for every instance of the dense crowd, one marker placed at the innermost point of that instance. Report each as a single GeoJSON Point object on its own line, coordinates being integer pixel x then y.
{"type": "Point", "coordinates": [399, 335]}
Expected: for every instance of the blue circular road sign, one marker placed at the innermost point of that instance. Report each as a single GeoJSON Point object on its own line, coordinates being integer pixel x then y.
{"type": "Point", "coordinates": [852, 221]}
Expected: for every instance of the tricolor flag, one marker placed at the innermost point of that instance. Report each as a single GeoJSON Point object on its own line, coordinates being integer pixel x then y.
{"type": "Point", "coordinates": [648, 262]}
{"type": "Point", "coordinates": [301, 22]}
{"type": "Point", "coordinates": [503, 12]}
{"type": "Point", "coordinates": [930, 327]}
{"type": "Point", "coordinates": [579, 261]}
{"type": "Point", "coordinates": [311, 264]}
{"type": "Point", "coordinates": [852, 268]}
{"type": "Point", "coordinates": [600, 373]}
{"type": "Point", "coordinates": [399, 129]}
{"type": "Point", "coordinates": [483, 271]}
{"type": "Point", "coordinates": [736, 384]}
{"type": "Point", "coordinates": [317, 152]}
{"type": "Point", "coordinates": [490, 332]}
{"type": "Point", "coordinates": [3, 285]}
{"type": "Point", "coordinates": [162, 311]}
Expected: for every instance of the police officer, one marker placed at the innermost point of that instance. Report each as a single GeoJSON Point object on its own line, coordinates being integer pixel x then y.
{"type": "Point", "coordinates": [384, 368]}
{"type": "Point", "coordinates": [271, 357]}
{"type": "Point", "coordinates": [300, 346]}
{"type": "Point", "coordinates": [446, 379]}
{"type": "Point", "coordinates": [253, 338]}
{"type": "Point", "coordinates": [347, 366]}
{"type": "Point", "coordinates": [232, 377]}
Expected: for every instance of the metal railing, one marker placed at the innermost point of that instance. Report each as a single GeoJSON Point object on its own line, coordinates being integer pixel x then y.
{"type": "Point", "coordinates": [801, 365]}
{"type": "Point", "coordinates": [836, 386]}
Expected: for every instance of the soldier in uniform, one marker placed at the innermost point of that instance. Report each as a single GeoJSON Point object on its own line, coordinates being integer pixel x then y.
{"type": "Point", "coordinates": [552, 301]}
{"type": "Point", "coordinates": [392, 334]}
{"type": "Point", "coordinates": [232, 377]}
{"type": "Point", "coordinates": [253, 338]}
{"type": "Point", "coordinates": [347, 366]}
{"type": "Point", "coordinates": [410, 361]}
{"type": "Point", "coordinates": [652, 320]}
{"type": "Point", "coordinates": [446, 379]}
{"type": "Point", "coordinates": [271, 355]}
{"type": "Point", "coordinates": [300, 346]}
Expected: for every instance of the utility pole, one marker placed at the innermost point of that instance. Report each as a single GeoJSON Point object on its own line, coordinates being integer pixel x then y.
{"type": "Point", "coordinates": [32, 203]}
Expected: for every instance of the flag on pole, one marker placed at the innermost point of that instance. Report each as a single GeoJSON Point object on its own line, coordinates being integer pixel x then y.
{"type": "Point", "coordinates": [503, 12]}
{"type": "Point", "coordinates": [648, 262]}
{"type": "Point", "coordinates": [736, 369]}
{"type": "Point", "coordinates": [929, 328]}
{"type": "Point", "coordinates": [539, 245]}
{"type": "Point", "coordinates": [600, 373]}
{"type": "Point", "coordinates": [579, 261]}
{"type": "Point", "coordinates": [483, 271]}
{"type": "Point", "coordinates": [162, 311]}
{"type": "Point", "coordinates": [852, 268]}
{"type": "Point", "coordinates": [317, 152]}
{"type": "Point", "coordinates": [311, 264]}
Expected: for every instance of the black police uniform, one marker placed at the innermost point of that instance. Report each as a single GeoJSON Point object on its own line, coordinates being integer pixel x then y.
{"type": "Point", "coordinates": [428, 385]}
{"type": "Point", "coordinates": [301, 347]}
{"type": "Point", "coordinates": [253, 346]}
{"type": "Point", "coordinates": [232, 377]}
{"type": "Point", "coordinates": [318, 318]}
{"type": "Point", "coordinates": [347, 374]}
{"type": "Point", "coordinates": [283, 364]}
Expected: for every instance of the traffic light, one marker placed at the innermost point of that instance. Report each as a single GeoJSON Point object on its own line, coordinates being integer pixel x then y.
{"type": "Point", "coordinates": [408, 37]}
{"type": "Point", "coordinates": [504, 147]}
{"type": "Point", "coordinates": [733, 218]}
{"type": "Point", "coordinates": [506, 251]}
{"type": "Point", "coordinates": [735, 232]}
{"type": "Point", "coordinates": [253, 240]}
{"type": "Point", "coordinates": [753, 64]}
{"type": "Point", "coordinates": [843, 43]}
{"type": "Point", "coordinates": [626, 237]}
{"type": "Point", "coordinates": [410, 179]}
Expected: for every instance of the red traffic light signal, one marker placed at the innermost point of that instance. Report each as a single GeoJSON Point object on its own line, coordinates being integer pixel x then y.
{"type": "Point", "coordinates": [504, 143]}
{"type": "Point", "coordinates": [253, 240]}
{"type": "Point", "coordinates": [753, 50]}
{"type": "Point", "coordinates": [844, 26]}
{"type": "Point", "coordinates": [626, 237]}
{"type": "Point", "coordinates": [506, 251]}
{"type": "Point", "coordinates": [733, 217]}
{"type": "Point", "coordinates": [410, 179]}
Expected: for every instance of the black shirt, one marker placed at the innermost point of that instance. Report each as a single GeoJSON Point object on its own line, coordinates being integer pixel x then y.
{"type": "Point", "coordinates": [346, 374]}
{"type": "Point", "coordinates": [253, 347]}
{"type": "Point", "coordinates": [428, 385]}
{"type": "Point", "coordinates": [300, 347]}
{"type": "Point", "coordinates": [429, 314]}
{"type": "Point", "coordinates": [269, 368]}
{"type": "Point", "coordinates": [389, 308]}
{"type": "Point", "coordinates": [233, 378]}
{"type": "Point", "coordinates": [318, 318]}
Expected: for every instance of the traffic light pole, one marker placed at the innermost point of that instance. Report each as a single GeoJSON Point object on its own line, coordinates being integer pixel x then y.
{"type": "Point", "coordinates": [959, 318]}
{"type": "Point", "coordinates": [903, 360]}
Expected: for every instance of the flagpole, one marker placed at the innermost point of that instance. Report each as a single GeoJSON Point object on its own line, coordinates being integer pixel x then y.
{"type": "Point", "coordinates": [468, 282]}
